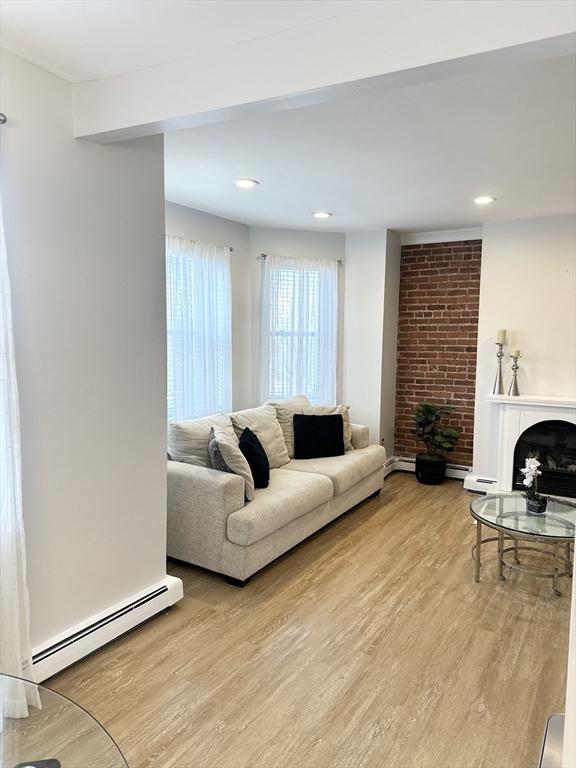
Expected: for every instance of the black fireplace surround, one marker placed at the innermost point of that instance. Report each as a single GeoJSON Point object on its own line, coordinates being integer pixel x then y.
{"type": "Point", "coordinates": [553, 443]}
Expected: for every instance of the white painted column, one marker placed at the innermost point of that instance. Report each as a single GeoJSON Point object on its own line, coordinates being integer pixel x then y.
{"type": "Point", "coordinates": [370, 330]}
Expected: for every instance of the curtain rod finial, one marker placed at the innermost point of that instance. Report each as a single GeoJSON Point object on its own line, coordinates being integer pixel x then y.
{"type": "Point", "coordinates": [3, 118]}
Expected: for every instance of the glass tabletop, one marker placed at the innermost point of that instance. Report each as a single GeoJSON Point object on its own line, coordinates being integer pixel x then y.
{"type": "Point", "coordinates": [509, 511]}
{"type": "Point", "coordinates": [56, 733]}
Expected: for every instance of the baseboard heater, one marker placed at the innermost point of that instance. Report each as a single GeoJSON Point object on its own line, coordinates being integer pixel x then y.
{"type": "Point", "coordinates": [79, 641]}
{"type": "Point", "coordinates": [408, 464]}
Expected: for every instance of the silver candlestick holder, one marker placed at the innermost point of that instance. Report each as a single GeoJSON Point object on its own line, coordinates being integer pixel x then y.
{"type": "Point", "coordinates": [499, 381]}
{"type": "Point", "coordinates": [514, 391]}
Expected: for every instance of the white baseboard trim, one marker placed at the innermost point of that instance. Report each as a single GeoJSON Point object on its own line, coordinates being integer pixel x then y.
{"type": "Point", "coordinates": [405, 464]}
{"type": "Point", "coordinates": [479, 484]}
{"type": "Point", "coordinates": [72, 645]}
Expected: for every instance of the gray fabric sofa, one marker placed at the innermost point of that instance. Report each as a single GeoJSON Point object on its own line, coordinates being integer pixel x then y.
{"type": "Point", "coordinates": [211, 525]}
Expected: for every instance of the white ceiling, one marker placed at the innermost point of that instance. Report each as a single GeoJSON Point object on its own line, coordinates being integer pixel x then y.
{"type": "Point", "coordinates": [92, 39]}
{"type": "Point", "coordinates": [410, 158]}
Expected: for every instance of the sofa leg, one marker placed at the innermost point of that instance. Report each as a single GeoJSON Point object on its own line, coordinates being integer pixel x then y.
{"type": "Point", "coordinates": [375, 494]}
{"type": "Point", "coordinates": [237, 582]}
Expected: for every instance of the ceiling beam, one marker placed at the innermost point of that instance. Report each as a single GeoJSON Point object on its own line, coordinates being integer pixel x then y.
{"type": "Point", "coordinates": [380, 46]}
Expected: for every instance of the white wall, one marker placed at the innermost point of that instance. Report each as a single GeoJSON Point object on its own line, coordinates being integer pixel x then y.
{"type": "Point", "coordinates": [298, 244]}
{"type": "Point", "coordinates": [569, 746]}
{"type": "Point", "coordinates": [390, 340]}
{"type": "Point", "coordinates": [527, 285]}
{"type": "Point", "coordinates": [370, 331]}
{"type": "Point", "coordinates": [196, 225]}
{"type": "Point", "coordinates": [84, 229]}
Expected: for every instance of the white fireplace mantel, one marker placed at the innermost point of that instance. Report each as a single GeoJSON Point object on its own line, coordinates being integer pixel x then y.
{"type": "Point", "coordinates": [549, 401]}
{"type": "Point", "coordinates": [517, 414]}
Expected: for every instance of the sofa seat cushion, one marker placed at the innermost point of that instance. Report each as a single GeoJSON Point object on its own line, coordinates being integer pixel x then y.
{"type": "Point", "coordinates": [289, 495]}
{"type": "Point", "coordinates": [344, 471]}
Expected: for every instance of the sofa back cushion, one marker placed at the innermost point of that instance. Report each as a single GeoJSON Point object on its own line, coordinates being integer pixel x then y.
{"type": "Point", "coordinates": [285, 412]}
{"type": "Point", "coordinates": [188, 440]}
{"type": "Point", "coordinates": [226, 456]}
{"type": "Point", "coordinates": [329, 410]}
{"type": "Point", "coordinates": [263, 422]}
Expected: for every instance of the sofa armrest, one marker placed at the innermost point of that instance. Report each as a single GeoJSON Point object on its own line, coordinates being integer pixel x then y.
{"type": "Point", "coordinates": [360, 436]}
{"type": "Point", "coordinates": [199, 502]}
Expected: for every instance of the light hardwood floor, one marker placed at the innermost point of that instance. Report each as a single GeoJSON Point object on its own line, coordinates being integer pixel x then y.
{"type": "Point", "coordinates": [368, 645]}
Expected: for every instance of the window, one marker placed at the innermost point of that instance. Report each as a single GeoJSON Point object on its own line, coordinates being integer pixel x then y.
{"type": "Point", "coordinates": [299, 329]}
{"type": "Point", "coordinates": [198, 299]}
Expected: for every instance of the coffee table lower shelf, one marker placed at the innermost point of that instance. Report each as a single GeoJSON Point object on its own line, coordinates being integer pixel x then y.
{"type": "Point", "coordinates": [561, 564]}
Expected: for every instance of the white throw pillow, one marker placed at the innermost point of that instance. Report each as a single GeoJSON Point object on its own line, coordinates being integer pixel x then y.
{"type": "Point", "coordinates": [331, 410]}
{"type": "Point", "coordinates": [263, 422]}
{"type": "Point", "coordinates": [226, 456]}
{"type": "Point", "coordinates": [188, 440]}
{"type": "Point", "coordinates": [285, 410]}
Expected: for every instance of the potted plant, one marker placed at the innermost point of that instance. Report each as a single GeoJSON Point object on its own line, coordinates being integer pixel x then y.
{"type": "Point", "coordinates": [431, 465]}
{"type": "Point", "coordinates": [535, 503]}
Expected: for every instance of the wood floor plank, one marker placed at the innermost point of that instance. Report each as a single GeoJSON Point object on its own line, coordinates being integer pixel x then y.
{"type": "Point", "coordinates": [367, 645]}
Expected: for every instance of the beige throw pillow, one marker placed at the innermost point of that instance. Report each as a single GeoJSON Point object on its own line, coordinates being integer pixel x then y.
{"type": "Point", "coordinates": [285, 410]}
{"type": "Point", "coordinates": [263, 422]}
{"type": "Point", "coordinates": [188, 440]}
{"type": "Point", "coordinates": [331, 410]}
{"type": "Point", "coordinates": [226, 456]}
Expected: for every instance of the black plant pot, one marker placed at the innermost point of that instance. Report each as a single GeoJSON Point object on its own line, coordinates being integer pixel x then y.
{"type": "Point", "coordinates": [430, 468]}
{"type": "Point", "coordinates": [536, 506]}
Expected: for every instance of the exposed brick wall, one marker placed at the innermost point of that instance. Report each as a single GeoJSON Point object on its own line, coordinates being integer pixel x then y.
{"type": "Point", "coordinates": [437, 338]}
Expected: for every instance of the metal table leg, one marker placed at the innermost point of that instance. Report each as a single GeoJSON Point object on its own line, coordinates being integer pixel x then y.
{"type": "Point", "coordinates": [555, 577]}
{"type": "Point", "coordinates": [501, 556]}
{"type": "Point", "coordinates": [478, 549]}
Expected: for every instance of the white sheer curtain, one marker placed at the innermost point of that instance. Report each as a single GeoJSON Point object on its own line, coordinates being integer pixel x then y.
{"type": "Point", "coordinates": [15, 652]}
{"type": "Point", "coordinates": [198, 303]}
{"type": "Point", "coordinates": [298, 328]}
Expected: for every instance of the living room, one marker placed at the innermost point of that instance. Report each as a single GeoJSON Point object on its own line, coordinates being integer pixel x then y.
{"type": "Point", "coordinates": [418, 192]}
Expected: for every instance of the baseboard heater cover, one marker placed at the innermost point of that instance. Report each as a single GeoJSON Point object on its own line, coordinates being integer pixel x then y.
{"type": "Point", "coordinates": [408, 464]}
{"type": "Point", "coordinates": [389, 466]}
{"type": "Point", "coordinates": [479, 484]}
{"type": "Point", "coordinates": [83, 639]}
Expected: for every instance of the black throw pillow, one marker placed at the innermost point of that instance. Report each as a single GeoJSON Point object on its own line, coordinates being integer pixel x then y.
{"type": "Point", "coordinates": [317, 436]}
{"type": "Point", "coordinates": [256, 457]}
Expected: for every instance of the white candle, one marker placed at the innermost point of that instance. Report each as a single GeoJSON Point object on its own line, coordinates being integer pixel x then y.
{"type": "Point", "coordinates": [501, 338]}
{"type": "Point", "coordinates": [515, 353]}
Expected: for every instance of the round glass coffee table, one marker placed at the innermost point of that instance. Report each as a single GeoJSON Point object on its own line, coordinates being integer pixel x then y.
{"type": "Point", "coordinates": [56, 733]}
{"type": "Point", "coordinates": [547, 534]}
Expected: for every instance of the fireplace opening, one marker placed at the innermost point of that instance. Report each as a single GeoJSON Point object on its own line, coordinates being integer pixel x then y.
{"type": "Point", "coordinates": [553, 443]}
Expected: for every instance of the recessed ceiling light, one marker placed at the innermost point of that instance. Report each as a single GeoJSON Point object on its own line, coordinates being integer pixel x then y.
{"type": "Point", "coordinates": [322, 214]}
{"type": "Point", "coordinates": [484, 199]}
{"type": "Point", "coordinates": [246, 183]}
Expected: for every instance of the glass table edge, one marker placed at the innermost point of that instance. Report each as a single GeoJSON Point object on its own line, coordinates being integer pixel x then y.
{"type": "Point", "coordinates": [75, 707]}
{"type": "Point", "coordinates": [512, 532]}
